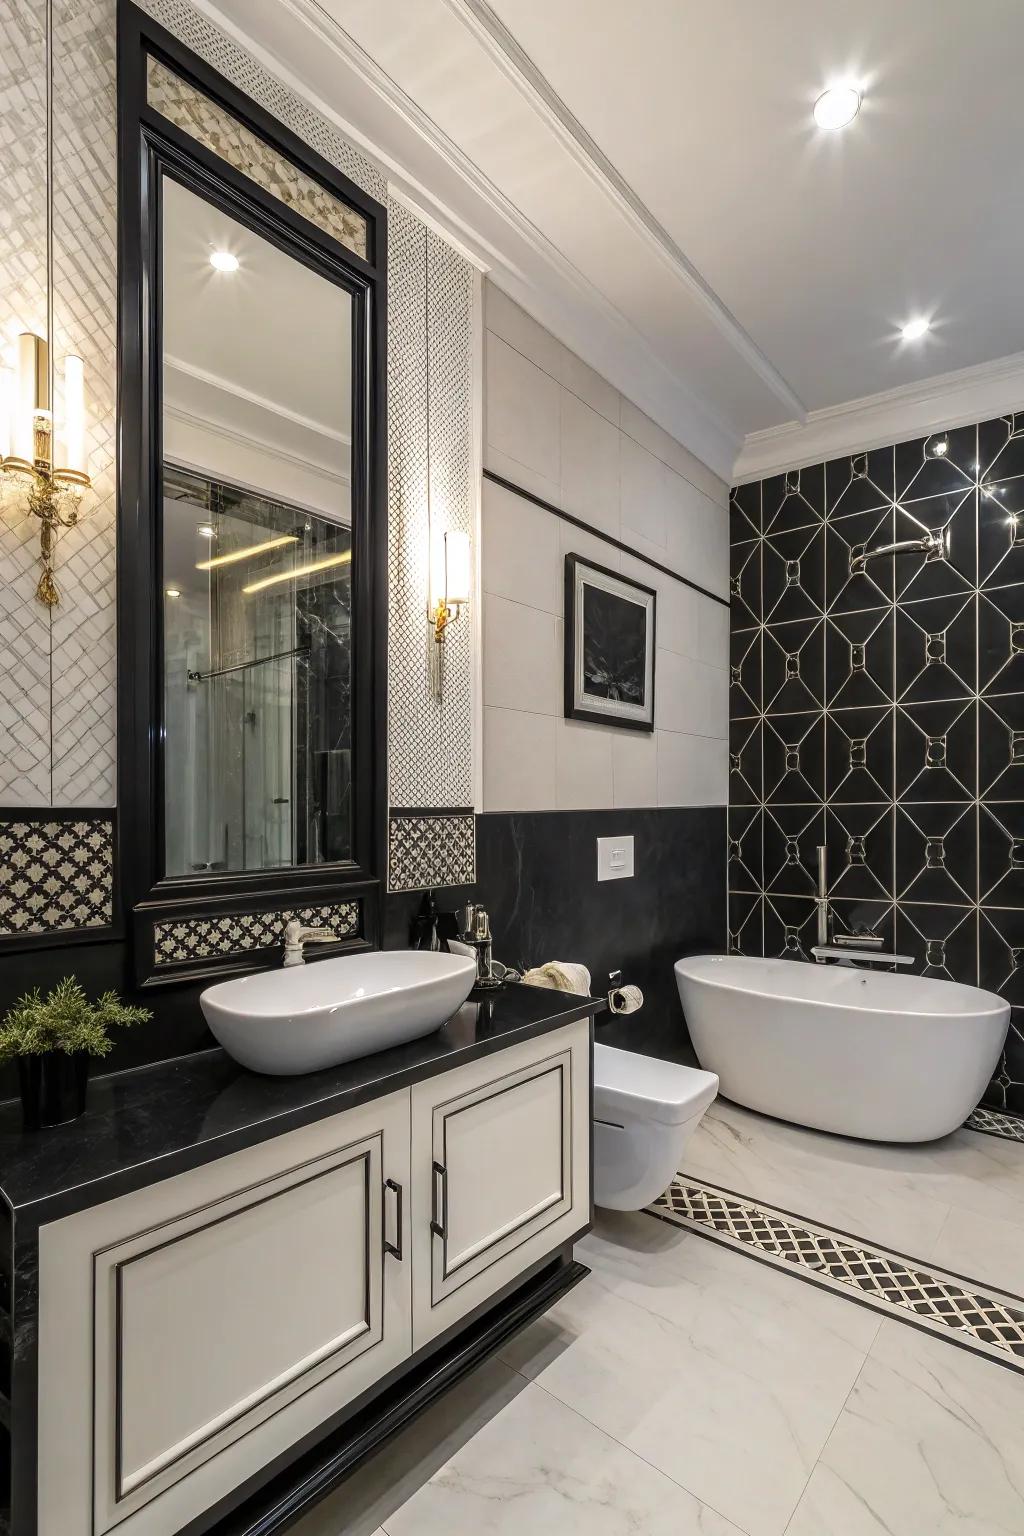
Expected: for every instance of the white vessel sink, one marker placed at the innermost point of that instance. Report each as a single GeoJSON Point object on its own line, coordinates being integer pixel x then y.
{"type": "Point", "coordinates": [306, 1017]}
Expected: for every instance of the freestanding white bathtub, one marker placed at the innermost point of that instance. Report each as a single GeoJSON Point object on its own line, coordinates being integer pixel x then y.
{"type": "Point", "coordinates": [864, 1053]}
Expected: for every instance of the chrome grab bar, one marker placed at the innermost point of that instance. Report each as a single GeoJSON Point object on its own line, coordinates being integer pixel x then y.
{"type": "Point", "coordinates": [934, 546]}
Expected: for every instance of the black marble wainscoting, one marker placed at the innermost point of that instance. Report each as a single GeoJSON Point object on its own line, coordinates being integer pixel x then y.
{"type": "Point", "coordinates": [537, 876]}
{"type": "Point", "coordinates": [881, 711]}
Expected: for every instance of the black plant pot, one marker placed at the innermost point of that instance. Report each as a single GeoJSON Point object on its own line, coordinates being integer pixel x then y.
{"type": "Point", "coordinates": [53, 1087]}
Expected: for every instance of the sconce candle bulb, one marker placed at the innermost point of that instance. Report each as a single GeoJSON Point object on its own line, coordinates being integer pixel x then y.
{"type": "Point", "coordinates": [26, 434]}
{"type": "Point", "coordinates": [450, 581]}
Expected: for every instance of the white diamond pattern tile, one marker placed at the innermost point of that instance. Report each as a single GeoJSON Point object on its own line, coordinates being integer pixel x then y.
{"type": "Point", "coordinates": [24, 623]}
{"type": "Point", "coordinates": [85, 313]}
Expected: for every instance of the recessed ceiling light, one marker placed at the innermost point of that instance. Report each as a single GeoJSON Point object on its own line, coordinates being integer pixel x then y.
{"type": "Point", "coordinates": [915, 329]}
{"type": "Point", "coordinates": [223, 261]}
{"type": "Point", "coordinates": [837, 106]}
{"type": "Point", "coordinates": [206, 530]}
{"type": "Point", "coordinates": [173, 592]}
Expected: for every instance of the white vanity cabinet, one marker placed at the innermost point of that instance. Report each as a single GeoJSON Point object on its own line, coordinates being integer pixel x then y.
{"type": "Point", "coordinates": [501, 1158]}
{"type": "Point", "coordinates": [193, 1331]}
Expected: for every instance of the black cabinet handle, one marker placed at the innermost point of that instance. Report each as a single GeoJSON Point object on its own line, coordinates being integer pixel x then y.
{"type": "Point", "coordinates": [439, 1227]}
{"type": "Point", "coordinates": [395, 1249]}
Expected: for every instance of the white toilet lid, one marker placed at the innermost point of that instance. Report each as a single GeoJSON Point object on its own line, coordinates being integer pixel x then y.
{"type": "Point", "coordinates": [645, 1087]}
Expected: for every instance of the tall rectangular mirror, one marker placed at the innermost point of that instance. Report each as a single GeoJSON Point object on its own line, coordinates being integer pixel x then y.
{"type": "Point", "coordinates": [252, 532]}
{"type": "Point", "coordinates": [257, 549]}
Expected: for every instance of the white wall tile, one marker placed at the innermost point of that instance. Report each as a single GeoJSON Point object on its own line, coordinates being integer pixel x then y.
{"type": "Point", "coordinates": [584, 765]}
{"type": "Point", "coordinates": [519, 761]}
{"type": "Point", "coordinates": [692, 770]}
{"type": "Point", "coordinates": [590, 465]}
{"type": "Point", "coordinates": [520, 554]}
{"type": "Point", "coordinates": [644, 498]}
{"type": "Point", "coordinates": [712, 631]}
{"type": "Point", "coordinates": [698, 537]}
{"type": "Point", "coordinates": [690, 696]}
{"type": "Point", "coordinates": [522, 657]}
{"type": "Point", "coordinates": [575, 541]}
{"type": "Point", "coordinates": [506, 319]}
{"type": "Point", "coordinates": [657, 441]}
{"type": "Point", "coordinates": [523, 407]}
{"type": "Point", "coordinates": [522, 475]}
{"type": "Point", "coordinates": [590, 387]}
{"type": "Point", "coordinates": [635, 768]}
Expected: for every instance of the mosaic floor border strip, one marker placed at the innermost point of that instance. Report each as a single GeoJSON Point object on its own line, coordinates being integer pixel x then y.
{"type": "Point", "coordinates": [996, 1122]}
{"type": "Point", "coordinates": [977, 1317]}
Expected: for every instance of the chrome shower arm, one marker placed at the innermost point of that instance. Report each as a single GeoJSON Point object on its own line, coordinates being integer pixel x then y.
{"type": "Point", "coordinates": [934, 546]}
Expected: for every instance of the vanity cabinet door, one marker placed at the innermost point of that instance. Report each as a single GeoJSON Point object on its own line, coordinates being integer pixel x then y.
{"type": "Point", "coordinates": [232, 1310]}
{"type": "Point", "coordinates": [500, 1172]}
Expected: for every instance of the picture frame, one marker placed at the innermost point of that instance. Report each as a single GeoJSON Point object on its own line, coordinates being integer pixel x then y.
{"type": "Point", "coordinates": [610, 636]}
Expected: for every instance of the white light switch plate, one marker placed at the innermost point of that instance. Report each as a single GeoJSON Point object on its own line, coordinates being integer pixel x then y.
{"type": "Point", "coordinates": [614, 858]}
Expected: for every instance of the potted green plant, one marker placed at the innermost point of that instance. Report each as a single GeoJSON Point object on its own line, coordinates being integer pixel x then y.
{"type": "Point", "coordinates": [52, 1040]}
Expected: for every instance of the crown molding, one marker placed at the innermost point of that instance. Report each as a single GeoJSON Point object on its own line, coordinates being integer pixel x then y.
{"type": "Point", "coordinates": [419, 159]}
{"type": "Point", "coordinates": [945, 401]}
{"type": "Point", "coordinates": [239, 392]}
{"type": "Point", "coordinates": [517, 66]}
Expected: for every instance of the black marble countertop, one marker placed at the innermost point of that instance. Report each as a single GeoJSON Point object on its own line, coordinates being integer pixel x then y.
{"type": "Point", "coordinates": [151, 1123]}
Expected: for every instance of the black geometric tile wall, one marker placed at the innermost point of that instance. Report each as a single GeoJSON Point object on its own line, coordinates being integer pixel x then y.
{"type": "Point", "coordinates": [880, 710]}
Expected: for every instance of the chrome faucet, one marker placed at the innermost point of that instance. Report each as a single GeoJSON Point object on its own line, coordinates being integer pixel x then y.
{"type": "Point", "coordinates": [296, 934]}
{"type": "Point", "coordinates": [821, 900]}
{"type": "Point", "coordinates": [846, 948]}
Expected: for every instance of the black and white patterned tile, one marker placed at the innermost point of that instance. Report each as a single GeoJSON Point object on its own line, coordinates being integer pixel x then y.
{"type": "Point", "coordinates": [431, 848]}
{"type": "Point", "coordinates": [56, 874]}
{"type": "Point", "coordinates": [238, 933]}
{"type": "Point", "coordinates": [994, 1122]}
{"type": "Point", "coordinates": [893, 702]}
{"type": "Point", "coordinates": [978, 1317]}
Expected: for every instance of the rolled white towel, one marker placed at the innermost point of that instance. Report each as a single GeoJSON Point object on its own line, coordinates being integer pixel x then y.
{"type": "Point", "coordinates": [625, 999]}
{"type": "Point", "coordinates": [561, 976]}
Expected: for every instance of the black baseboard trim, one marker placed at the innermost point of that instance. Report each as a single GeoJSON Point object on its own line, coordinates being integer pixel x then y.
{"type": "Point", "coordinates": [295, 1491]}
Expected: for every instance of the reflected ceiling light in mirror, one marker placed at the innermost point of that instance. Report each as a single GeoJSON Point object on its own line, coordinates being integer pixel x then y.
{"type": "Point", "coordinates": [206, 530]}
{"type": "Point", "coordinates": [172, 592]}
{"type": "Point", "coordinates": [223, 261]}
{"type": "Point", "coordinates": [837, 106]}
{"type": "Point", "coordinates": [915, 329]}
{"type": "Point", "coordinates": [234, 555]}
{"type": "Point", "coordinates": [310, 569]}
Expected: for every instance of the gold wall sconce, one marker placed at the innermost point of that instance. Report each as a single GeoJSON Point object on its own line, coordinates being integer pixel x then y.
{"type": "Point", "coordinates": [450, 581]}
{"type": "Point", "coordinates": [52, 471]}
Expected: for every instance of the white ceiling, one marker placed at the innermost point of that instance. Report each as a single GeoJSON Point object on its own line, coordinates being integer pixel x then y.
{"type": "Point", "coordinates": [646, 179]}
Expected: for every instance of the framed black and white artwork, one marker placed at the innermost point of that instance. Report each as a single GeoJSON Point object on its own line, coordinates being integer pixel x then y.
{"type": "Point", "coordinates": [609, 647]}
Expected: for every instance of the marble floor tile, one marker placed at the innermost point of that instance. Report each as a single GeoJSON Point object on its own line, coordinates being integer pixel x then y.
{"type": "Point", "coordinates": [982, 1249]}
{"type": "Point", "coordinates": [362, 1504]}
{"type": "Point", "coordinates": [930, 1443]}
{"type": "Point", "coordinates": [539, 1469]}
{"type": "Point", "coordinates": [899, 1195]}
{"type": "Point", "coordinates": [718, 1371]}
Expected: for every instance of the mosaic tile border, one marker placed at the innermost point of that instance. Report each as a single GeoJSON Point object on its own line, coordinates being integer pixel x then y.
{"type": "Point", "coordinates": [428, 849]}
{"type": "Point", "coordinates": [238, 933]}
{"type": "Point", "coordinates": [56, 874]}
{"type": "Point", "coordinates": [994, 1122]}
{"type": "Point", "coordinates": [984, 1320]}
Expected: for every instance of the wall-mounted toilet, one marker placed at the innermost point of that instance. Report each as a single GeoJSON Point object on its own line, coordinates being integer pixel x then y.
{"type": "Point", "coordinates": [645, 1111]}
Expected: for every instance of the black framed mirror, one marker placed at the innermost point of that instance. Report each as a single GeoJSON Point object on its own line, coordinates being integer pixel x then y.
{"type": "Point", "coordinates": [252, 536]}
